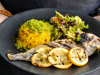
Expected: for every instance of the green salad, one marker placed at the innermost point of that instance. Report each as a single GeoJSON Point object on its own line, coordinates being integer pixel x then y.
{"type": "Point", "coordinates": [67, 27]}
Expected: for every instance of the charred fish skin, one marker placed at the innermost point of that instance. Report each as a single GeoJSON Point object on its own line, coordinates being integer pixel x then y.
{"type": "Point", "coordinates": [90, 42]}
{"type": "Point", "coordinates": [87, 37]}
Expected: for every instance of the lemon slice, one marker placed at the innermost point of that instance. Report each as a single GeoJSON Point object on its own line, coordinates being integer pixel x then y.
{"type": "Point", "coordinates": [78, 56]}
{"type": "Point", "coordinates": [40, 58]}
{"type": "Point", "coordinates": [58, 57]}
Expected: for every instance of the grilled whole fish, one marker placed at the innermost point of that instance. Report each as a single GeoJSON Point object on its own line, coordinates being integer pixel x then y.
{"type": "Point", "coordinates": [89, 42]}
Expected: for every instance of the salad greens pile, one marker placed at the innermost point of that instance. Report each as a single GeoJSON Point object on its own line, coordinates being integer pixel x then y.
{"type": "Point", "coordinates": [67, 27]}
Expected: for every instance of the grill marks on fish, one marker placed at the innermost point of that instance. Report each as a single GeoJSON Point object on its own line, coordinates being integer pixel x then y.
{"type": "Point", "coordinates": [64, 43]}
{"type": "Point", "coordinates": [89, 42]}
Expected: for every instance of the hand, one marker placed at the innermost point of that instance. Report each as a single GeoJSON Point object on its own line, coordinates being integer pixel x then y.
{"type": "Point", "coordinates": [2, 18]}
{"type": "Point", "coordinates": [97, 17]}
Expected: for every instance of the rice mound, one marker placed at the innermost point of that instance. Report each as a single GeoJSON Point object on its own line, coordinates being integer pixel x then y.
{"type": "Point", "coordinates": [30, 36]}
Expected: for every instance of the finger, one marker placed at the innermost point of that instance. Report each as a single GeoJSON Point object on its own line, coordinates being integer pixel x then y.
{"type": "Point", "coordinates": [2, 18]}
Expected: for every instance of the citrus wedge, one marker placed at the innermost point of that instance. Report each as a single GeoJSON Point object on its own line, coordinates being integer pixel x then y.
{"type": "Point", "coordinates": [78, 56]}
{"type": "Point", "coordinates": [58, 57]}
{"type": "Point", "coordinates": [40, 58]}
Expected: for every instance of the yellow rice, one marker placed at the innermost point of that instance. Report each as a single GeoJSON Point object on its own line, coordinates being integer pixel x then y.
{"type": "Point", "coordinates": [29, 39]}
